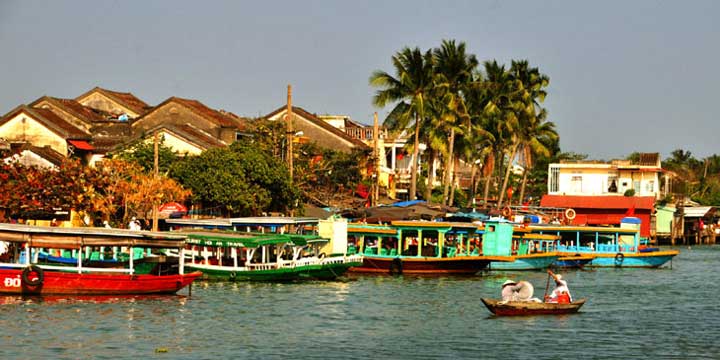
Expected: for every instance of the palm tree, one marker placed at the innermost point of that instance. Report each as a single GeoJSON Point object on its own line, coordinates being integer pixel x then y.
{"type": "Point", "coordinates": [454, 69]}
{"type": "Point", "coordinates": [410, 87]}
{"type": "Point", "coordinates": [528, 92]}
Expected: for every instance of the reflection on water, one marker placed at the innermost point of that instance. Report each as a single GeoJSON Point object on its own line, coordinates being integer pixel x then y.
{"type": "Point", "coordinates": [633, 313]}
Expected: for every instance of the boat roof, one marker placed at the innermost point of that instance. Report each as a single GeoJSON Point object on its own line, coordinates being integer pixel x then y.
{"type": "Point", "coordinates": [204, 223]}
{"type": "Point", "coordinates": [354, 228]}
{"type": "Point", "coordinates": [247, 240]}
{"type": "Point", "coordinates": [273, 220]}
{"type": "Point", "coordinates": [433, 224]}
{"type": "Point", "coordinates": [587, 229]}
{"type": "Point", "coordinates": [76, 237]}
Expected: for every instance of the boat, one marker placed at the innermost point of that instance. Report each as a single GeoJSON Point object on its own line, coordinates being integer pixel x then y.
{"type": "Point", "coordinates": [610, 246]}
{"type": "Point", "coordinates": [23, 275]}
{"type": "Point", "coordinates": [526, 308]}
{"type": "Point", "coordinates": [523, 249]}
{"type": "Point", "coordinates": [237, 256]}
{"type": "Point", "coordinates": [418, 247]}
{"type": "Point", "coordinates": [576, 260]}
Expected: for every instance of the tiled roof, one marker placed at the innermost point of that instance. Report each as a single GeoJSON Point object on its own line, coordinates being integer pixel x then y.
{"type": "Point", "coordinates": [223, 119]}
{"type": "Point", "coordinates": [319, 122]}
{"type": "Point", "coordinates": [126, 99]}
{"type": "Point", "coordinates": [49, 119]}
{"type": "Point", "coordinates": [46, 153]}
{"type": "Point", "coordinates": [598, 202]}
{"type": "Point", "coordinates": [76, 109]}
{"type": "Point", "coordinates": [191, 134]}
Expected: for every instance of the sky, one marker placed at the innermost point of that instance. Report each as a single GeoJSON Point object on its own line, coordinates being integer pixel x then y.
{"type": "Point", "coordinates": [625, 76]}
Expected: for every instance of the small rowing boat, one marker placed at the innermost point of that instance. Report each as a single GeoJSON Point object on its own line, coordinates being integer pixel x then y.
{"type": "Point", "coordinates": [525, 308]}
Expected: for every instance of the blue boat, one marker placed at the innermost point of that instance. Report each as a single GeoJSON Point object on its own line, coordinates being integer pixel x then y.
{"type": "Point", "coordinates": [525, 250]}
{"type": "Point", "coordinates": [611, 246]}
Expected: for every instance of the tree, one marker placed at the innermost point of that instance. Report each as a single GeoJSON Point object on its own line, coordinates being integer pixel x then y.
{"type": "Point", "coordinates": [410, 88]}
{"type": "Point", "coordinates": [240, 180]}
{"type": "Point", "coordinates": [142, 152]}
{"type": "Point", "coordinates": [454, 69]}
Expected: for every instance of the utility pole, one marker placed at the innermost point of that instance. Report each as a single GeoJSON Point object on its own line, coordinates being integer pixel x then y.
{"type": "Point", "coordinates": [156, 178]}
{"type": "Point", "coordinates": [376, 159]}
{"type": "Point", "coordinates": [289, 133]}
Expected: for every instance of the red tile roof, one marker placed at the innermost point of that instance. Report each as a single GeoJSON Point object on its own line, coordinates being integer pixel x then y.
{"type": "Point", "coordinates": [598, 202]}
{"type": "Point", "coordinates": [49, 119]}
{"type": "Point", "coordinates": [224, 120]}
{"type": "Point", "coordinates": [125, 99]}
{"type": "Point", "coordinates": [317, 121]}
{"type": "Point", "coordinates": [76, 109]}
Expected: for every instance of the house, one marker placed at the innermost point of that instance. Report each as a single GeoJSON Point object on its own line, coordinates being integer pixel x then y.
{"type": "Point", "coordinates": [41, 127]}
{"type": "Point", "coordinates": [318, 130]}
{"type": "Point", "coordinates": [189, 126]}
{"type": "Point", "coordinates": [114, 102]}
{"type": "Point", "coordinates": [608, 179]}
{"type": "Point", "coordinates": [28, 155]}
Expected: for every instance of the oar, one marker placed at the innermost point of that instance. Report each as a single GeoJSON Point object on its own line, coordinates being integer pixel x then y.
{"type": "Point", "coordinates": [547, 286]}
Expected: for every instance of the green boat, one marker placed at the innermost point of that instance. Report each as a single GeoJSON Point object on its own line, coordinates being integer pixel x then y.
{"type": "Point", "coordinates": [234, 256]}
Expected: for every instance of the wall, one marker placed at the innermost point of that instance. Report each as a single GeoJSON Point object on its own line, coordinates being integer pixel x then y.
{"type": "Point", "coordinates": [100, 102]}
{"type": "Point", "coordinates": [33, 132]}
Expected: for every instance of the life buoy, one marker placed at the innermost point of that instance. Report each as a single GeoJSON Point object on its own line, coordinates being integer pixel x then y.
{"type": "Point", "coordinates": [570, 214]}
{"type": "Point", "coordinates": [321, 256]}
{"type": "Point", "coordinates": [506, 212]}
{"type": "Point", "coordinates": [37, 280]}
{"type": "Point", "coordinates": [396, 266]}
{"type": "Point", "coordinates": [233, 275]}
{"type": "Point", "coordinates": [619, 258]}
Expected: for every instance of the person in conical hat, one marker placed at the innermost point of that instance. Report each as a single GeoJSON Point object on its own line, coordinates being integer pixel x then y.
{"type": "Point", "coordinates": [561, 293]}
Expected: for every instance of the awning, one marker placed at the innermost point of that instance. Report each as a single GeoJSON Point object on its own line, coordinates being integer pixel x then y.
{"type": "Point", "coordinates": [81, 144]}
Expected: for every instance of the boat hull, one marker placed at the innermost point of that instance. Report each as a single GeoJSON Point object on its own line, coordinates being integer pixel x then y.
{"type": "Point", "coordinates": [72, 283]}
{"type": "Point", "coordinates": [306, 272]}
{"type": "Point", "coordinates": [633, 260]}
{"type": "Point", "coordinates": [421, 265]}
{"type": "Point", "coordinates": [526, 262]}
{"type": "Point", "coordinates": [528, 308]}
{"type": "Point", "coordinates": [573, 261]}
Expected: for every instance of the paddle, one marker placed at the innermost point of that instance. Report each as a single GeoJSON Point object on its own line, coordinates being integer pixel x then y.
{"type": "Point", "coordinates": [547, 286]}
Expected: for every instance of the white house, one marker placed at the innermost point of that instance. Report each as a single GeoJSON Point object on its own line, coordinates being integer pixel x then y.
{"type": "Point", "coordinates": [614, 178]}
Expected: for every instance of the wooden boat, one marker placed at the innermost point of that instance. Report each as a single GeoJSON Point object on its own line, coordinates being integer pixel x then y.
{"type": "Point", "coordinates": [234, 256]}
{"type": "Point", "coordinates": [610, 246]}
{"type": "Point", "coordinates": [573, 261]}
{"type": "Point", "coordinates": [525, 308]}
{"type": "Point", "coordinates": [417, 247]}
{"type": "Point", "coordinates": [524, 250]}
{"type": "Point", "coordinates": [23, 275]}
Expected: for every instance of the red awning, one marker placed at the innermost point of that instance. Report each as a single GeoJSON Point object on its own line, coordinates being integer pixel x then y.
{"type": "Point", "coordinates": [81, 144]}
{"type": "Point", "coordinates": [172, 207]}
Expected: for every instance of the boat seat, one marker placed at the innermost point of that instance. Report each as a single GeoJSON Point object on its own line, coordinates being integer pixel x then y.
{"type": "Point", "coordinates": [95, 255]}
{"type": "Point", "coordinates": [393, 252]}
{"type": "Point", "coordinates": [370, 251]}
{"type": "Point", "coordinates": [475, 252]}
{"type": "Point", "coordinates": [452, 252]}
{"type": "Point", "coordinates": [383, 251]}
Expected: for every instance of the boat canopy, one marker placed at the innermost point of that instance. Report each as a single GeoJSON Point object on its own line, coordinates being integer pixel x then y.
{"type": "Point", "coordinates": [76, 238]}
{"type": "Point", "coordinates": [249, 240]}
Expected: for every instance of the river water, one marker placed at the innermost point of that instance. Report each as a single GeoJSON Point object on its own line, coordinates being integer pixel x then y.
{"type": "Point", "coordinates": [631, 313]}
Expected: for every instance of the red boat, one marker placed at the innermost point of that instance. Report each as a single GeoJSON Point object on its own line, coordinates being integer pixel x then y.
{"type": "Point", "coordinates": [524, 308]}
{"type": "Point", "coordinates": [22, 275]}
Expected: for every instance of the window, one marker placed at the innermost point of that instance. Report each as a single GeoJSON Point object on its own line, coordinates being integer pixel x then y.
{"type": "Point", "coordinates": [576, 184]}
{"type": "Point", "coordinates": [650, 186]}
{"type": "Point", "coordinates": [612, 183]}
{"type": "Point", "coordinates": [554, 185]}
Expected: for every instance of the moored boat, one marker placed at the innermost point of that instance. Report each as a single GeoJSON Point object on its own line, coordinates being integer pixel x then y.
{"type": "Point", "coordinates": [524, 250]}
{"type": "Point", "coordinates": [526, 308]}
{"type": "Point", "coordinates": [234, 256]}
{"type": "Point", "coordinates": [23, 275]}
{"type": "Point", "coordinates": [418, 247]}
{"type": "Point", "coordinates": [610, 246]}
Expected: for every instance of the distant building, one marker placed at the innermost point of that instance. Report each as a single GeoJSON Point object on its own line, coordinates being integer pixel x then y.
{"type": "Point", "coordinates": [608, 179]}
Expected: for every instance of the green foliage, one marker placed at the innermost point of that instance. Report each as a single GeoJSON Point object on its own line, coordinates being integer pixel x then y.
{"type": "Point", "coordinates": [241, 180]}
{"type": "Point", "coordinates": [142, 153]}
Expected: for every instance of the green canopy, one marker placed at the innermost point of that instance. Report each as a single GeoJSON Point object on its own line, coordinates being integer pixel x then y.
{"type": "Point", "coordinates": [248, 240]}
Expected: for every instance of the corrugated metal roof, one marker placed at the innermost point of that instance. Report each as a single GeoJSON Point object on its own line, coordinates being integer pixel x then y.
{"type": "Point", "coordinates": [697, 211]}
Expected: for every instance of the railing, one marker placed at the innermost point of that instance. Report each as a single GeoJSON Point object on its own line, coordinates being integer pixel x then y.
{"type": "Point", "coordinates": [71, 268]}
{"type": "Point", "coordinates": [365, 133]}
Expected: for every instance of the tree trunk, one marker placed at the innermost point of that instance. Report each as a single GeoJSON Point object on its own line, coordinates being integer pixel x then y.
{"type": "Point", "coordinates": [473, 188]}
{"type": "Point", "coordinates": [449, 165]}
{"type": "Point", "coordinates": [416, 160]}
{"type": "Point", "coordinates": [488, 169]}
{"type": "Point", "coordinates": [522, 186]}
{"type": "Point", "coordinates": [501, 196]}
{"type": "Point", "coordinates": [431, 176]}
{"type": "Point", "coordinates": [453, 182]}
